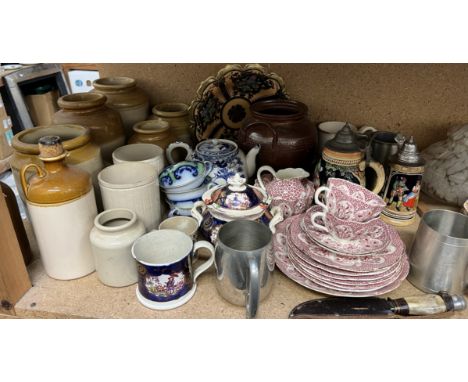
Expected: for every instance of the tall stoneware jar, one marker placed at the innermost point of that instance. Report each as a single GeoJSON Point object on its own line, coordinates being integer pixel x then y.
{"type": "Point", "coordinates": [177, 115]}
{"type": "Point", "coordinates": [132, 185]}
{"type": "Point", "coordinates": [111, 238]}
{"type": "Point", "coordinates": [154, 131]}
{"type": "Point", "coordinates": [282, 129]}
{"type": "Point", "coordinates": [76, 140]}
{"type": "Point", "coordinates": [61, 204]}
{"type": "Point", "coordinates": [124, 96]}
{"type": "Point", "coordinates": [90, 110]}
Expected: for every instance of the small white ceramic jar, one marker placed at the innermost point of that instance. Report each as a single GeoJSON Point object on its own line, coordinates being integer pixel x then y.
{"type": "Point", "coordinates": [111, 239]}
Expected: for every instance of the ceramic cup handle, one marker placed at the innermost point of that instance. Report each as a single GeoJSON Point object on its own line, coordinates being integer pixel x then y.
{"type": "Point", "coordinates": [176, 145]}
{"type": "Point", "coordinates": [316, 215]}
{"type": "Point", "coordinates": [198, 214]}
{"type": "Point", "coordinates": [365, 129]}
{"type": "Point", "coordinates": [317, 194]}
{"type": "Point", "coordinates": [206, 264]}
{"type": "Point", "coordinates": [259, 175]}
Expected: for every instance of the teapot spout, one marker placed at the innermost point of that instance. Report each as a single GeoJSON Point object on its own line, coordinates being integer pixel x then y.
{"type": "Point", "coordinates": [250, 164]}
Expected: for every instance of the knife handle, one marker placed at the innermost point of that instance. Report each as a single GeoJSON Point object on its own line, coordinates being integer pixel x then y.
{"type": "Point", "coordinates": [428, 304]}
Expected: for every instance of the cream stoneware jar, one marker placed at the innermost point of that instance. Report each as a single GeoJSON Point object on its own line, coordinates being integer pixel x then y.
{"type": "Point", "coordinates": [132, 185]}
{"type": "Point", "coordinates": [112, 238]}
{"type": "Point", "coordinates": [141, 152]}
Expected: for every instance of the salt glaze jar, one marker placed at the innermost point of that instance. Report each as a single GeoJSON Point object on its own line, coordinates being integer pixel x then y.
{"type": "Point", "coordinates": [76, 140]}
{"type": "Point", "coordinates": [177, 115]}
{"type": "Point", "coordinates": [112, 238]}
{"type": "Point", "coordinates": [344, 158]}
{"type": "Point", "coordinates": [61, 204]}
{"type": "Point", "coordinates": [286, 136]}
{"type": "Point", "coordinates": [154, 131]}
{"type": "Point", "coordinates": [126, 98]}
{"type": "Point", "coordinates": [234, 201]}
{"type": "Point", "coordinates": [90, 110]}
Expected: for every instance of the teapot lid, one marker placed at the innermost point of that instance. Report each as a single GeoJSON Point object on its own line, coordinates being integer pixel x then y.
{"type": "Point", "coordinates": [216, 148]}
{"type": "Point", "coordinates": [238, 195]}
{"type": "Point", "coordinates": [344, 141]}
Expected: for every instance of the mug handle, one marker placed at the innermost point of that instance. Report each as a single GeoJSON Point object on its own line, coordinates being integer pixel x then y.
{"type": "Point", "coordinates": [316, 215]}
{"type": "Point", "coordinates": [317, 194]}
{"type": "Point", "coordinates": [277, 218]}
{"type": "Point", "coordinates": [24, 183]}
{"type": "Point", "coordinates": [380, 172]}
{"type": "Point", "coordinates": [365, 129]}
{"type": "Point", "coordinates": [253, 296]}
{"type": "Point", "coordinates": [196, 214]}
{"type": "Point", "coordinates": [259, 175]}
{"type": "Point", "coordinates": [206, 264]}
{"type": "Point", "coordinates": [176, 145]}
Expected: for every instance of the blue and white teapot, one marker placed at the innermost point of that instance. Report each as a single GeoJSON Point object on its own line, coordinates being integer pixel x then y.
{"type": "Point", "coordinates": [226, 157]}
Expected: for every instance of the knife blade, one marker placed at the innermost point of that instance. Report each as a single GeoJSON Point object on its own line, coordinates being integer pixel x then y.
{"type": "Point", "coordinates": [375, 306]}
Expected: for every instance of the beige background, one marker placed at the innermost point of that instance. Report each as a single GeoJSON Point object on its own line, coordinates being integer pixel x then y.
{"type": "Point", "coordinates": [419, 99]}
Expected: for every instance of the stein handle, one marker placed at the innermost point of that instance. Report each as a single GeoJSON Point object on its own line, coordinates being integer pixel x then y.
{"type": "Point", "coordinates": [196, 214]}
{"type": "Point", "coordinates": [208, 262]}
{"type": "Point", "coordinates": [268, 126]}
{"type": "Point", "coordinates": [24, 183]}
{"type": "Point", "coordinates": [176, 145]}
{"type": "Point", "coordinates": [259, 175]}
{"type": "Point", "coordinates": [277, 218]}
{"type": "Point", "coordinates": [317, 194]}
{"type": "Point", "coordinates": [253, 295]}
{"type": "Point", "coordinates": [316, 215]}
{"type": "Point", "coordinates": [380, 172]}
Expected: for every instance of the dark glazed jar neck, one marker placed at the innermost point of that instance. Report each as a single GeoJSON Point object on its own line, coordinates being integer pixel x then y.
{"type": "Point", "coordinates": [279, 110]}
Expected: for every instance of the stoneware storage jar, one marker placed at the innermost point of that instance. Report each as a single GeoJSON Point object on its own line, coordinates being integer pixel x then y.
{"type": "Point", "coordinates": [125, 97]}
{"type": "Point", "coordinates": [141, 152]}
{"type": "Point", "coordinates": [76, 140]}
{"type": "Point", "coordinates": [112, 238]}
{"type": "Point", "coordinates": [155, 131]}
{"type": "Point", "coordinates": [61, 204]}
{"type": "Point", "coordinates": [282, 129]}
{"type": "Point", "coordinates": [177, 115]}
{"type": "Point", "coordinates": [89, 109]}
{"type": "Point", "coordinates": [132, 185]}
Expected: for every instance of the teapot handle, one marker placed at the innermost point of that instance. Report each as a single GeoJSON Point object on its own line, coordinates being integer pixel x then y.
{"type": "Point", "coordinates": [259, 175]}
{"type": "Point", "coordinates": [271, 128]}
{"type": "Point", "coordinates": [176, 145]}
{"type": "Point", "coordinates": [253, 296]}
{"type": "Point", "coordinates": [24, 183]}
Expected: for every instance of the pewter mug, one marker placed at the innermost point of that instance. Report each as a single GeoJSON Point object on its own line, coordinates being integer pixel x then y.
{"type": "Point", "coordinates": [439, 256]}
{"type": "Point", "coordinates": [244, 263]}
{"type": "Point", "coordinates": [383, 146]}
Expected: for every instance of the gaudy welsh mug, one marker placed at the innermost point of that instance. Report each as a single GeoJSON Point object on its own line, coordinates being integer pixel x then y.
{"type": "Point", "coordinates": [166, 277]}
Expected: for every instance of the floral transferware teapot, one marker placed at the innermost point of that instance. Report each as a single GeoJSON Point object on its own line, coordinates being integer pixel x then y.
{"type": "Point", "coordinates": [234, 201]}
{"type": "Point", "coordinates": [225, 156]}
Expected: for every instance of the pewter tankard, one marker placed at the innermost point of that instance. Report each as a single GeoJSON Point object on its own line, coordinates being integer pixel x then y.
{"type": "Point", "coordinates": [244, 263]}
{"type": "Point", "coordinates": [439, 256]}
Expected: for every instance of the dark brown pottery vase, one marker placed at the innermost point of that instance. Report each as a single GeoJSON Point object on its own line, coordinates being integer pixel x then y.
{"type": "Point", "coordinates": [286, 137]}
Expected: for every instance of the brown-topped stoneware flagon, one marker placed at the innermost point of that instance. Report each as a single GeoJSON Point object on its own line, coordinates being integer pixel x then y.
{"type": "Point", "coordinates": [177, 115]}
{"type": "Point", "coordinates": [125, 97]}
{"type": "Point", "coordinates": [62, 209]}
{"type": "Point", "coordinates": [282, 129]}
{"type": "Point", "coordinates": [154, 131]}
{"type": "Point", "coordinates": [82, 153]}
{"type": "Point", "coordinates": [90, 110]}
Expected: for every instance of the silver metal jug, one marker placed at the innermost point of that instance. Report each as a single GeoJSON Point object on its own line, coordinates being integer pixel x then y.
{"type": "Point", "coordinates": [439, 256]}
{"type": "Point", "coordinates": [244, 263]}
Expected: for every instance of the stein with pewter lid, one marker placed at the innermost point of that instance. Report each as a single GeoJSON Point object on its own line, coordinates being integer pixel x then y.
{"type": "Point", "coordinates": [401, 192]}
{"type": "Point", "coordinates": [343, 157]}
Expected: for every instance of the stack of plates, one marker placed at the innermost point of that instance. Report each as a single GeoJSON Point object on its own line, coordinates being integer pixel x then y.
{"type": "Point", "coordinates": [362, 267]}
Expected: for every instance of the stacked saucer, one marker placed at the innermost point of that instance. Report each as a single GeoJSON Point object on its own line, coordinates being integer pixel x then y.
{"type": "Point", "coordinates": [341, 247]}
